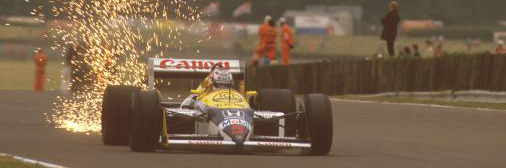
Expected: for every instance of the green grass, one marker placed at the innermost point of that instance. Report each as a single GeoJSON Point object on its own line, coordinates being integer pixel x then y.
{"type": "Point", "coordinates": [9, 162]}
{"type": "Point", "coordinates": [19, 75]}
{"type": "Point", "coordinates": [23, 33]}
{"type": "Point", "coordinates": [466, 104]}
{"type": "Point", "coordinates": [363, 45]}
{"type": "Point", "coordinates": [305, 44]}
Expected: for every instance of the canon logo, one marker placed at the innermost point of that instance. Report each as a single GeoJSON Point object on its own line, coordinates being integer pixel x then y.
{"type": "Point", "coordinates": [274, 144]}
{"type": "Point", "coordinates": [191, 64]}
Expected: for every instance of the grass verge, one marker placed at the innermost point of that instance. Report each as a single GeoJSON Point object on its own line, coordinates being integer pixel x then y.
{"type": "Point", "coordinates": [9, 162]}
{"type": "Point", "coordinates": [356, 45]}
{"type": "Point", "coordinates": [466, 104]}
{"type": "Point", "coordinates": [20, 75]}
{"type": "Point", "coordinates": [359, 45]}
{"type": "Point", "coordinates": [23, 33]}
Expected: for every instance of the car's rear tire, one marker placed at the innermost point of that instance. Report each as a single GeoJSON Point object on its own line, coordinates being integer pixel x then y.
{"type": "Point", "coordinates": [319, 123]}
{"type": "Point", "coordinates": [278, 100]}
{"type": "Point", "coordinates": [146, 123]}
{"type": "Point", "coordinates": [115, 114]}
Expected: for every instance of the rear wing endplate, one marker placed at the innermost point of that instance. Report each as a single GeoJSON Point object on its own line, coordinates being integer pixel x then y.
{"type": "Point", "coordinates": [189, 68]}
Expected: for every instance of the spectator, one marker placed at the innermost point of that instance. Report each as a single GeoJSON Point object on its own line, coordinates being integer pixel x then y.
{"type": "Point", "coordinates": [390, 23]}
{"type": "Point", "coordinates": [406, 52]}
{"type": "Point", "coordinates": [439, 50]}
{"type": "Point", "coordinates": [416, 51]}
{"type": "Point", "coordinates": [499, 48]}
{"type": "Point", "coordinates": [40, 60]}
{"type": "Point", "coordinates": [429, 51]}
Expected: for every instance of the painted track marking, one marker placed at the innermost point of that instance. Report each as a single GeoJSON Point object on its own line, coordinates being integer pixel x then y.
{"type": "Point", "coordinates": [32, 161]}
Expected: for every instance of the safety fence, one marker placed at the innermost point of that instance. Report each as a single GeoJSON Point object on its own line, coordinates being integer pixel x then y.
{"type": "Point", "coordinates": [457, 72]}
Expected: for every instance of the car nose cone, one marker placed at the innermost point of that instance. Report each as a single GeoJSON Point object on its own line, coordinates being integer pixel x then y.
{"type": "Point", "coordinates": [237, 133]}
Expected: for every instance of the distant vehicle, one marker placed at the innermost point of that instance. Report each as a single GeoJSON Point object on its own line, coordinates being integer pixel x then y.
{"type": "Point", "coordinates": [219, 118]}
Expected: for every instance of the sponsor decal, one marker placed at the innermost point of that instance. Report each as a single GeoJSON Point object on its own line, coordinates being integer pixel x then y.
{"type": "Point", "coordinates": [205, 143]}
{"type": "Point", "coordinates": [226, 97]}
{"type": "Point", "coordinates": [237, 129]}
{"type": "Point", "coordinates": [276, 137]}
{"type": "Point", "coordinates": [274, 144]}
{"type": "Point", "coordinates": [229, 114]}
{"type": "Point", "coordinates": [189, 135]}
{"type": "Point", "coordinates": [192, 64]}
{"type": "Point", "coordinates": [268, 114]}
{"type": "Point", "coordinates": [228, 105]}
{"type": "Point", "coordinates": [228, 122]}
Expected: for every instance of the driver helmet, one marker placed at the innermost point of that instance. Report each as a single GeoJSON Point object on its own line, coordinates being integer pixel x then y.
{"type": "Point", "coordinates": [221, 78]}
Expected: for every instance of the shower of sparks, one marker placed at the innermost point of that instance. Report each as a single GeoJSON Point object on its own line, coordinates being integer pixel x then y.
{"type": "Point", "coordinates": [114, 37]}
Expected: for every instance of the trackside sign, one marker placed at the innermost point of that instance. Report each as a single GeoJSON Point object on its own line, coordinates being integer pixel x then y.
{"type": "Point", "coordinates": [193, 65]}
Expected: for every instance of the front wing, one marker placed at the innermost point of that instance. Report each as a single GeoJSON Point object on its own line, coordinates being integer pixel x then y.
{"type": "Point", "coordinates": [255, 143]}
{"type": "Point", "coordinates": [196, 141]}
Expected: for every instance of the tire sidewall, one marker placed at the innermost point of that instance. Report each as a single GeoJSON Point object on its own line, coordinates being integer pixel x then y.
{"type": "Point", "coordinates": [319, 123]}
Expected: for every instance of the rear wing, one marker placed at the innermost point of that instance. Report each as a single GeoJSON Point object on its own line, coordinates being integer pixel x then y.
{"type": "Point", "coordinates": [189, 68]}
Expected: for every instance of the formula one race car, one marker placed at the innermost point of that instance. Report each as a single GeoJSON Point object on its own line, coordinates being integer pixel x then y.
{"type": "Point", "coordinates": [216, 116]}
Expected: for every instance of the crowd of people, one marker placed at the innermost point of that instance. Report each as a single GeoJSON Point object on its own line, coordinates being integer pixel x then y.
{"type": "Point", "coordinates": [434, 46]}
{"type": "Point", "coordinates": [265, 52]}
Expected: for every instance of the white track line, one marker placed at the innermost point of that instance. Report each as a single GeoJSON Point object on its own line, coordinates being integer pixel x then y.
{"type": "Point", "coordinates": [415, 104]}
{"type": "Point", "coordinates": [31, 161]}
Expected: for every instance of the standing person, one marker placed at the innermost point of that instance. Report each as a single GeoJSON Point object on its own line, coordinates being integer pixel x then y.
{"type": "Point", "coordinates": [429, 51]}
{"type": "Point", "coordinates": [286, 41]}
{"type": "Point", "coordinates": [267, 42]}
{"type": "Point", "coordinates": [390, 23]}
{"type": "Point", "coordinates": [270, 42]}
{"type": "Point", "coordinates": [416, 51]}
{"type": "Point", "coordinates": [261, 41]}
{"type": "Point", "coordinates": [499, 48]}
{"type": "Point", "coordinates": [439, 51]}
{"type": "Point", "coordinates": [40, 60]}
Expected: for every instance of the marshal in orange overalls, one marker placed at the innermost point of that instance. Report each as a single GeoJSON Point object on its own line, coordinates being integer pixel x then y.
{"type": "Point", "coordinates": [267, 46]}
{"type": "Point", "coordinates": [40, 60]}
{"type": "Point", "coordinates": [286, 43]}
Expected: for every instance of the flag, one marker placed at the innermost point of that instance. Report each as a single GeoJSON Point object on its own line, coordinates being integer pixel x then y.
{"type": "Point", "coordinates": [245, 8]}
{"type": "Point", "coordinates": [212, 9]}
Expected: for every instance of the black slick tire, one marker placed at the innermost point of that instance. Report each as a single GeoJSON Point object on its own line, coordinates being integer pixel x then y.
{"type": "Point", "coordinates": [319, 123]}
{"type": "Point", "coordinates": [279, 100]}
{"type": "Point", "coordinates": [146, 123]}
{"type": "Point", "coordinates": [115, 114]}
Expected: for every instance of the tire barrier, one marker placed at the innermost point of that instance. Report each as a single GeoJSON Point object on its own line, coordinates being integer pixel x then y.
{"type": "Point", "coordinates": [338, 77]}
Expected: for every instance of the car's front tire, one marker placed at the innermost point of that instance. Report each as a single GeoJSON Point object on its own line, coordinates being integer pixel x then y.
{"type": "Point", "coordinates": [115, 114]}
{"type": "Point", "coordinates": [277, 100]}
{"type": "Point", "coordinates": [319, 123]}
{"type": "Point", "coordinates": [146, 122]}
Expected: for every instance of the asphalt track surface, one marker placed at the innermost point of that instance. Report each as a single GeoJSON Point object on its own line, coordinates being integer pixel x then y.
{"type": "Point", "coordinates": [365, 135]}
